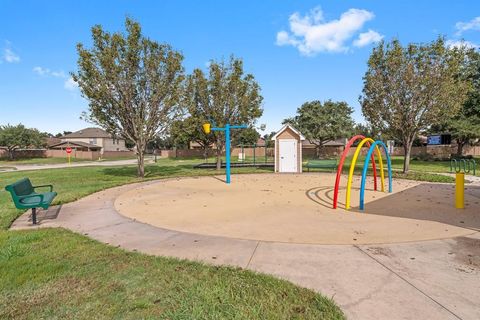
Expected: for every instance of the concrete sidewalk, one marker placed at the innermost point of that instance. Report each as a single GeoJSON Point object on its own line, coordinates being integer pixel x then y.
{"type": "Point", "coordinates": [437, 279]}
{"type": "Point", "coordinates": [107, 163]}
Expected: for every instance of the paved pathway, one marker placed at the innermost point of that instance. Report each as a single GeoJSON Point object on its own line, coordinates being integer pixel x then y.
{"type": "Point", "coordinates": [107, 163]}
{"type": "Point", "coordinates": [437, 279]}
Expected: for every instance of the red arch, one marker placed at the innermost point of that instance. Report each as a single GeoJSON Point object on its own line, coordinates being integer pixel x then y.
{"type": "Point", "coordinates": [340, 167]}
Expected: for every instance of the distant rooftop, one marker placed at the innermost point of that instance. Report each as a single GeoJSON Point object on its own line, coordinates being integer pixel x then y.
{"type": "Point", "coordinates": [74, 144]}
{"type": "Point", "coordinates": [88, 133]}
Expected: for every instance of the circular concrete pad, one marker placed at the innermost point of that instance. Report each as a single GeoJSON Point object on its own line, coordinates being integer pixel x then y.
{"type": "Point", "coordinates": [297, 209]}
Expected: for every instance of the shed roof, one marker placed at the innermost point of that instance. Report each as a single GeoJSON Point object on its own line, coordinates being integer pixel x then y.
{"type": "Point", "coordinates": [288, 126]}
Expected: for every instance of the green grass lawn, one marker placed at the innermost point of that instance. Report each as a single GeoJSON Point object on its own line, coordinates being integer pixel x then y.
{"type": "Point", "coordinates": [54, 273]}
{"type": "Point", "coordinates": [415, 165]}
{"type": "Point", "coordinates": [7, 163]}
{"type": "Point", "coordinates": [420, 170]}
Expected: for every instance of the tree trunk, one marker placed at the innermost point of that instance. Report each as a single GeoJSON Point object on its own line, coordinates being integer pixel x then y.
{"type": "Point", "coordinates": [318, 150]}
{"type": "Point", "coordinates": [140, 161]}
{"type": "Point", "coordinates": [219, 154]}
{"type": "Point", "coordinates": [407, 147]}
{"type": "Point", "coordinates": [205, 153]}
{"type": "Point", "coordinates": [219, 158]}
{"type": "Point", "coordinates": [460, 145]}
{"type": "Point", "coordinates": [11, 154]}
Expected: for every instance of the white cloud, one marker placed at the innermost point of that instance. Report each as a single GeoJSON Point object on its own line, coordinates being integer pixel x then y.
{"type": "Point", "coordinates": [367, 38]}
{"type": "Point", "coordinates": [58, 74]}
{"type": "Point", "coordinates": [41, 71]}
{"type": "Point", "coordinates": [47, 72]}
{"type": "Point", "coordinates": [461, 44]}
{"type": "Point", "coordinates": [70, 84]}
{"type": "Point", "coordinates": [311, 33]}
{"type": "Point", "coordinates": [10, 56]}
{"type": "Point", "coordinates": [473, 24]}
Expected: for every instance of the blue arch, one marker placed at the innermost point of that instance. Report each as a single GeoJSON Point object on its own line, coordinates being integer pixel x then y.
{"type": "Point", "coordinates": [365, 167]}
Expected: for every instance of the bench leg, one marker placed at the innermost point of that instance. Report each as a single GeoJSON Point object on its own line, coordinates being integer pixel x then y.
{"type": "Point", "coordinates": [34, 215]}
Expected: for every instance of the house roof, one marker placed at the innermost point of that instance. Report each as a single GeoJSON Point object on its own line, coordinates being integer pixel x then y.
{"type": "Point", "coordinates": [52, 140]}
{"type": "Point", "coordinates": [75, 144]}
{"type": "Point", "coordinates": [285, 127]}
{"type": "Point", "coordinates": [88, 133]}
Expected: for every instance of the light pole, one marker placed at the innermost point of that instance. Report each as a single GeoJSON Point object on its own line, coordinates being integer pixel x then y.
{"type": "Point", "coordinates": [207, 128]}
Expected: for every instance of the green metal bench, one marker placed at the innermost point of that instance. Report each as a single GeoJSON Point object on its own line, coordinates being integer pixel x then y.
{"type": "Point", "coordinates": [25, 197]}
{"type": "Point", "coordinates": [322, 164]}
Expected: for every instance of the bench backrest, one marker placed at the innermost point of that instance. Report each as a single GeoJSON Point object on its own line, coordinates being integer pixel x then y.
{"type": "Point", "coordinates": [323, 161]}
{"type": "Point", "coordinates": [22, 187]}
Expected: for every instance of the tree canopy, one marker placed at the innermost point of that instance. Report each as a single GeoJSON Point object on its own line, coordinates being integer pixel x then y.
{"type": "Point", "coordinates": [132, 84]}
{"type": "Point", "coordinates": [248, 136]}
{"type": "Point", "coordinates": [465, 125]}
{"type": "Point", "coordinates": [408, 89]}
{"type": "Point", "coordinates": [227, 95]}
{"type": "Point", "coordinates": [17, 137]}
{"type": "Point", "coordinates": [323, 122]}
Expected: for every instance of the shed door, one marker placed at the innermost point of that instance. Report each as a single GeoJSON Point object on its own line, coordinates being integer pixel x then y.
{"type": "Point", "coordinates": [288, 155]}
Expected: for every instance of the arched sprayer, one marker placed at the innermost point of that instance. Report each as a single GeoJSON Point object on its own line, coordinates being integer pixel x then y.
{"type": "Point", "coordinates": [354, 161]}
{"type": "Point", "coordinates": [365, 167]}
{"type": "Point", "coordinates": [340, 167]}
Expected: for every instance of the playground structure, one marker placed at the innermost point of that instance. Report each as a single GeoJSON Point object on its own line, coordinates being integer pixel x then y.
{"type": "Point", "coordinates": [297, 208]}
{"type": "Point", "coordinates": [207, 128]}
{"type": "Point", "coordinates": [373, 145]}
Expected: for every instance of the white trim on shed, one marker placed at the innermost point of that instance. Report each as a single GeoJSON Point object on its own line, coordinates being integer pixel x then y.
{"type": "Point", "coordinates": [288, 134]}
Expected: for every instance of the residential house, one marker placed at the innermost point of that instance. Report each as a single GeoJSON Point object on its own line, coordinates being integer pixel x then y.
{"type": "Point", "coordinates": [91, 139]}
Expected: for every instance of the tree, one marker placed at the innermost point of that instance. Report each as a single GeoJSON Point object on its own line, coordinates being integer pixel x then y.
{"type": "Point", "coordinates": [321, 123]}
{"type": "Point", "coordinates": [58, 135]}
{"type": "Point", "coordinates": [226, 96]}
{"type": "Point", "coordinates": [188, 130]}
{"type": "Point", "coordinates": [132, 85]}
{"type": "Point", "coordinates": [16, 137]}
{"type": "Point", "coordinates": [408, 89]}
{"type": "Point", "coordinates": [268, 139]}
{"type": "Point", "coordinates": [465, 125]}
{"type": "Point", "coordinates": [248, 136]}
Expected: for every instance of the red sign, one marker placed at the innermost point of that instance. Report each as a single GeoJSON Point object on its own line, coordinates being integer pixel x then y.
{"type": "Point", "coordinates": [69, 150]}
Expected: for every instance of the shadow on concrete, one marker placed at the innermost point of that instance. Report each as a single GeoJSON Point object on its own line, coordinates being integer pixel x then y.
{"type": "Point", "coordinates": [219, 179]}
{"type": "Point", "coordinates": [324, 196]}
{"type": "Point", "coordinates": [49, 214]}
{"type": "Point", "coordinates": [426, 201]}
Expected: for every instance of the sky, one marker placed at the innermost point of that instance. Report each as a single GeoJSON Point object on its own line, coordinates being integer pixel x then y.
{"type": "Point", "coordinates": [298, 51]}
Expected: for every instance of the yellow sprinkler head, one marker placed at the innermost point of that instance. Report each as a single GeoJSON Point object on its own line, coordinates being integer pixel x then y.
{"type": "Point", "coordinates": [206, 128]}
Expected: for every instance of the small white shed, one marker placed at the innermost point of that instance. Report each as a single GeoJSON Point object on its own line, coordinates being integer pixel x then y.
{"type": "Point", "coordinates": [288, 150]}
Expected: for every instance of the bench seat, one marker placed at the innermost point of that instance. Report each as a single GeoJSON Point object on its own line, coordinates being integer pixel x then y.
{"type": "Point", "coordinates": [42, 200]}
{"type": "Point", "coordinates": [322, 164]}
{"type": "Point", "coordinates": [24, 196]}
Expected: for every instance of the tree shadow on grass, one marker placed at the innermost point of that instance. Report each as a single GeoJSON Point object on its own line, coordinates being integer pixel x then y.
{"type": "Point", "coordinates": [150, 171]}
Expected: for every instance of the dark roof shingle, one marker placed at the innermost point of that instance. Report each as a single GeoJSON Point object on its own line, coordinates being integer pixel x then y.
{"type": "Point", "coordinates": [88, 133]}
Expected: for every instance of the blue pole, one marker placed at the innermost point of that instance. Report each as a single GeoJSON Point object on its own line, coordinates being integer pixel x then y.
{"type": "Point", "coordinates": [227, 146]}
{"type": "Point", "coordinates": [365, 168]}
{"type": "Point", "coordinates": [227, 152]}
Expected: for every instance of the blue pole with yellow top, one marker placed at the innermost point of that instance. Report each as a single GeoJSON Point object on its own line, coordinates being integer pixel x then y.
{"type": "Point", "coordinates": [207, 128]}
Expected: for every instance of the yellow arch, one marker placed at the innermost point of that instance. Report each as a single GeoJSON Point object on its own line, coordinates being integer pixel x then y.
{"type": "Point", "coordinates": [352, 168]}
